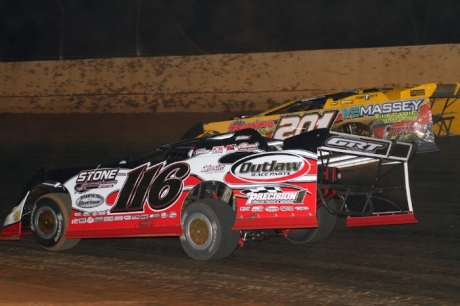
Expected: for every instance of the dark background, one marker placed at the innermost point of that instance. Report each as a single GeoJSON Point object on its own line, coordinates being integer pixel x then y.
{"type": "Point", "coordinates": [76, 29]}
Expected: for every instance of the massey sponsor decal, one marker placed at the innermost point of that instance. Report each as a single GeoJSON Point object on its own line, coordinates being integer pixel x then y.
{"type": "Point", "coordinates": [381, 108]}
{"type": "Point", "coordinates": [240, 125]}
{"type": "Point", "coordinates": [270, 167]}
{"type": "Point", "coordinates": [89, 200]}
{"type": "Point", "coordinates": [278, 197]}
{"type": "Point", "coordinates": [354, 144]}
{"type": "Point", "coordinates": [97, 178]}
{"type": "Point", "coordinates": [294, 124]}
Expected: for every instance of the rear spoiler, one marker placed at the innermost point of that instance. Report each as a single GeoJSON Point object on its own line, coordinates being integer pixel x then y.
{"type": "Point", "coordinates": [373, 185]}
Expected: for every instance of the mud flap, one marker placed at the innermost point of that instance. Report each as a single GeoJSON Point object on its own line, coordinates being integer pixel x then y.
{"type": "Point", "coordinates": [390, 219]}
{"type": "Point", "coordinates": [11, 232]}
{"type": "Point", "coordinates": [12, 227]}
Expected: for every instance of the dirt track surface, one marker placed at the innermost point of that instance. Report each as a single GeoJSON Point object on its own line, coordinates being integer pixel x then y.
{"type": "Point", "coordinates": [395, 265]}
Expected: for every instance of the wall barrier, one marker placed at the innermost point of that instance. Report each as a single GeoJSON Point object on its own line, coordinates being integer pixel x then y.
{"type": "Point", "coordinates": [215, 83]}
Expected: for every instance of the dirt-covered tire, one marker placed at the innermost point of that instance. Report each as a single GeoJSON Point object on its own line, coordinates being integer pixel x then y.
{"type": "Point", "coordinates": [49, 220]}
{"type": "Point", "coordinates": [207, 233]}
{"type": "Point", "coordinates": [326, 223]}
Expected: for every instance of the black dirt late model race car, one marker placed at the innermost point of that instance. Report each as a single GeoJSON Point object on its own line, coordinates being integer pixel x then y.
{"type": "Point", "coordinates": [217, 192]}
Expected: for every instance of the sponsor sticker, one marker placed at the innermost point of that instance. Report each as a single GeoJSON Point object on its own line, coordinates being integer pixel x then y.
{"type": "Point", "coordinates": [274, 197]}
{"type": "Point", "coordinates": [355, 144]}
{"type": "Point", "coordinates": [258, 124]}
{"type": "Point", "coordinates": [271, 167]}
{"type": "Point", "coordinates": [89, 200]}
{"type": "Point", "coordinates": [96, 178]}
{"type": "Point", "coordinates": [212, 168]}
{"type": "Point", "coordinates": [16, 216]}
{"type": "Point", "coordinates": [218, 150]}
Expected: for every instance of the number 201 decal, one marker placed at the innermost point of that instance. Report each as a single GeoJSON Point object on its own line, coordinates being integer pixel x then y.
{"type": "Point", "coordinates": [159, 186]}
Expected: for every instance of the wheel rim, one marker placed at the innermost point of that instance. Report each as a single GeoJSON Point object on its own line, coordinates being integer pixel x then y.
{"type": "Point", "coordinates": [199, 231]}
{"type": "Point", "coordinates": [46, 222]}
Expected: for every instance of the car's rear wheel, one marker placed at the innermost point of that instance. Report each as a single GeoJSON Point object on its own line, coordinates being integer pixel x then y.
{"type": "Point", "coordinates": [207, 233]}
{"type": "Point", "coordinates": [49, 220]}
{"type": "Point", "coordinates": [326, 223]}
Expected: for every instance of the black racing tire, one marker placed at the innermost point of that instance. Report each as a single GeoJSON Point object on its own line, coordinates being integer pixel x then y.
{"type": "Point", "coordinates": [207, 230]}
{"type": "Point", "coordinates": [326, 224]}
{"type": "Point", "coordinates": [49, 220]}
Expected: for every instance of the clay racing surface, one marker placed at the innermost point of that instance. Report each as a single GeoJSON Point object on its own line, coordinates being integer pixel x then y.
{"type": "Point", "coordinates": [394, 265]}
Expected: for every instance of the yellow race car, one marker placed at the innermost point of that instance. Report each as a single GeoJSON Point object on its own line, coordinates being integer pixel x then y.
{"type": "Point", "coordinates": [402, 114]}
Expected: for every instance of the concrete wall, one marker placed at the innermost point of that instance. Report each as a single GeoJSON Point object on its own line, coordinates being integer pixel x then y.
{"type": "Point", "coordinates": [215, 83]}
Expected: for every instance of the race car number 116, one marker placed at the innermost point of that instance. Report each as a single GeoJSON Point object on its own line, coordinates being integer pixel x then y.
{"type": "Point", "coordinates": [161, 187]}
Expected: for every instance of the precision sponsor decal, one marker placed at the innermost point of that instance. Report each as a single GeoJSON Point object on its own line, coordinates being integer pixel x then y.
{"type": "Point", "coordinates": [354, 145]}
{"type": "Point", "coordinates": [273, 195]}
{"type": "Point", "coordinates": [275, 198]}
{"type": "Point", "coordinates": [89, 200]}
{"type": "Point", "coordinates": [96, 178]}
{"type": "Point", "coordinates": [381, 108]}
{"type": "Point", "coordinates": [270, 167]}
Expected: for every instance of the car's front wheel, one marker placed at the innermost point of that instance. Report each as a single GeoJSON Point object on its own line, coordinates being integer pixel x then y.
{"type": "Point", "coordinates": [207, 230]}
{"type": "Point", "coordinates": [49, 220]}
